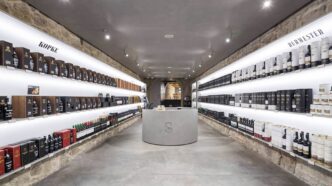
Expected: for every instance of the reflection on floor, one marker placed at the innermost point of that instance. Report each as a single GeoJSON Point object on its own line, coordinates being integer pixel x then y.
{"type": "Point", "coordinates": [213, 160]}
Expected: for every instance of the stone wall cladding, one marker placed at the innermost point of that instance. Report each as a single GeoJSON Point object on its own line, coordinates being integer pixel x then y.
{"type": "Point", "coordinates": [306, 15]}
{"type": "Point", "coordinates": [48, 166]}
{"type": "Point", "coordinates": [31, 16]}
{"type": "Point", "coordinates": [310, 174]}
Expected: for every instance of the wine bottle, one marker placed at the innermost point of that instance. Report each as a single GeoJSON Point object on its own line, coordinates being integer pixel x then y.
{"type": "Point", "coordinates": [295, 143]}
{"type": "Point", "coordinates": [35, 109]}
{"type": "Point", "coordinates": [46, 145]}
{"type": "Point", "coordinates": [16, 62]}
{"type": "Point", "coordinates": [36, 152]}
{"type": "Point", "coordinates": [60, 142]}
{"type": "Point", "coordinates": [289, 62]}
{"type": "Point", "coordinates": [31, 63]}
{"type": "Point", "coordinates": [55, 141]}
{"type": "Point", "coordinates": [51, 144]}
{"type": "Point", "coordinates": [325, 50]}
{"type": "Point", "coordinates": [283, 146]}
{"type": "Point", "coordinates": [307, 57]}
{"type": "Point", "coordinates": [8, 162]}
{"type": "Point", "coordinates": [307, 147]}
{"type": "Point", "coordinates": [300, 144]}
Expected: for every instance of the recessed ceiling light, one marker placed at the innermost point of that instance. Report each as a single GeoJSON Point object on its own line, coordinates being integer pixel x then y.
{"type": "Point", "coordinates": [199, 65]}
{"type": "Point", "coordinates": [189, 75]}
{"type": "Point", "coordinates": [169, 36]}
{"type": "Point", "coordinates": [267, 4]}
{"type": "Point", "coordinates": [169, 72]}
{"type": "Point", "coordinates": [65, 1]}
{"type": "Point", "coordinates": [144, 70]}
{"type": "Point", "coordinates": [107, 36]}
{"type": "Point", "coordinates": [193, 71]}
{"type": "Point", "coordinates": [127, 55]}
{"type": "Point", "coordinates": [228, 40]}
{"type": "Point", "coordinates": [169, 67]}
{"type": "Point", "coordinates": [138, 64]}
{"type": "Point", "coordinates": [210, 55]}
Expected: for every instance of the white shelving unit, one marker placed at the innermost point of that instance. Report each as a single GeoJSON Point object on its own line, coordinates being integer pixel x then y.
{"type": "Point", "coordinates": [194, 95]}
{"type": "Point", "coordinates": [16, 82]}
{"type": "Point", "coordinates": [300, 79]}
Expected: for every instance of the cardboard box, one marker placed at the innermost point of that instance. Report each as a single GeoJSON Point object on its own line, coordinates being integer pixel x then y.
{"type": "Point", "coordinates": [23, 56]}
{"type": "Point", "coordinates": [65, 135]}
{"type": "Point", "coordinates": [2, 162]}
{"type": "Point", "coordinates": [15, 152]}
{"type": "Point", "coordinates": [6, 54]}
{"type": "Point", "coordinates": [38, 60]}
{"type": "Point", "coordinates": [22, 106]}
{"type": "Point", "coordinates": [53, 68]}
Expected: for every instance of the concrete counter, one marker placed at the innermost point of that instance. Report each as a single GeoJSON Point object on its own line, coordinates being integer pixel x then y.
{"type": "Point", "coordinates": [170, 127]}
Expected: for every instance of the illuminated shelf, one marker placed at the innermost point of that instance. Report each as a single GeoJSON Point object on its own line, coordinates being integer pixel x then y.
{"type": "Point", "coordinates": [308, 78]}
{"type": "Point", "coordinates": [23, 35]}
{"type": "Point", "coordinates": [306, 122]}
{"type": "Point", "coordinates": [16, 82]}
{"type": "Point", "coordinates": [21, 129]}
{"type": "Point", "coordinates": [309, 161]}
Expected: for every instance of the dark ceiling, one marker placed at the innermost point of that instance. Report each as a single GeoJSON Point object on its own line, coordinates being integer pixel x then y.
{"type": "Point", "coordinates": [138, 27]}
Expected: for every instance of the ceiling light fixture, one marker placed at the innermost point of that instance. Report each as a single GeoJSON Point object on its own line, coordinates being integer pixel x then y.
{"type": "Point", "coordinates": [144, 70]}
{"type": "Point", "coordinates": [228, 40]}
{"type": "Point", "coordinates": [138, 64]}
{"type": "Point", "coordinates": [193, 71]}
{"type": "Point", "coordinates": [169, 72]}
{"type": "Point", "coordinates": [267, 4]}
{"type": "Point", "coordinates": [169, 36]}
{"type": "Point", "coordinates": [127, 55]}
{"type": "Point", "coordinates": [210, 56]}
{"type": "Point", "coordinates": [189, 75]}
{"type": "Point", "coordinates": [199, 65]}
{"type": "Point", "coordinates": [107, 36]}
{"type": "Point", "coordinates": [169, 67]}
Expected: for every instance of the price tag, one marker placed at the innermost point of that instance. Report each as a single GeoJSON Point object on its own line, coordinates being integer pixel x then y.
{"type": "Point", "coordinates": [66, 148]}
{"type": "Point", "coordinates": [10, 68]}
{"type": "Point", "coordinates": [31, 118]}
{"type": "Point", "coordinates": [51, 155]}
{"type": "Point", "coordinates": [270, 144]}
{"type": "Point", "coordinates": [28, 71]}
{"type": "Point", "coordinates": [292, 154]}
{"type": "Point", "coordinates": [12, 121]}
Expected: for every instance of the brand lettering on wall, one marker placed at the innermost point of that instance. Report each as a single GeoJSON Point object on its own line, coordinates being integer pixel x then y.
{"type": "Point", "coordinates": [48, 47]}
{"type": "Point", "coordinates": [307, 37]}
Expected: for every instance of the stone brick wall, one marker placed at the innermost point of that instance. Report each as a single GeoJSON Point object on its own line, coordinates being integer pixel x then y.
{"type": "Point", "coordinates": [312, 175]}
{"type": "Point", "coordinates": [31, 16]}
{"type": "Point", "coordinates": [306, 15]}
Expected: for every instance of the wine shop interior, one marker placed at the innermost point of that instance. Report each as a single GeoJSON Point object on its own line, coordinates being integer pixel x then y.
{"type": "Point", "coordinates": [171, 93]}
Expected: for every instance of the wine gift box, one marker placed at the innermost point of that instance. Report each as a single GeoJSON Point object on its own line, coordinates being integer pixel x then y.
{"type": "Point", "coordinates": [83, 103]}
{"type": "Point", "coordinates": [22, 106]}
{"type": "Point", "coordinates": [24, 152]}
{"type": "Point", "coordinates": [56, 104]}
{"type": "Point", "coordinates": [73, 135]}
{"type": "Point", "coordinates": [6, 54]}
{"type": "Point", "coordinates": [95, 77]}
{"type": "Point", "coordinates": [71, 71]}
{"type": "Point", "coordinates": [65, 135]}
{"type": "Point", "coordinates": [78, 73]}
{"type": "Point", "coordinates": [77, 104]}
{"type": "Point", "coordinates": [85, 76]}
{"type": "Point", "coordinates": [63, 72]}
{"type": "Point", "coordinates": [2, 162]}
{"type": "Point", "coordinates": [68, 104]}
{"type": "Point", "coordinates": [42, 105]}
{"type": "Point", "coordinates": [23, 56]}
{"type": "Point", "coordinates": [31, 148]}
{"type": "Point", "coordinates": [53, 68]}
{"type": "Point", "coordinates": [89, 103]}
{"type": "Point", "coordinates": [38, 60]}
{"type": "Point", "coordinates": [40, 143]}
{"type": "Point", "coordinates": [90, 75]}
{"type": "Point", "coordinates": [15, 152]}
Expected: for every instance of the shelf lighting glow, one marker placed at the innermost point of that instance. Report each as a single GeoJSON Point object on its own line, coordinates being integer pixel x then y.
{"type": "Point", "coordinates": [306, 122]}
{"type": "Point", "coordinates": [17, 131]}
{"type": "Point", "coordinates": [23, 35]}
{"type": "Point", "coordinates": [277, 47]}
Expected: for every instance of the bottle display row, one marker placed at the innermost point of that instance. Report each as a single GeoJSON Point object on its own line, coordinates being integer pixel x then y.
{"type": "Point", "coordinates": [32, 106]}
{"type": "Point", "coordinates": [298, 100]}
{"type": "Point", "coordinates": [317, 147]}
{"type": "Point", "coordinates": [14, 156]}
{"type": "Point", "coordinates": [22, 58]}
{"type": "Point", "coordinates": [312, 55]}
{"type": "Point", "coordinates": [322, 102]}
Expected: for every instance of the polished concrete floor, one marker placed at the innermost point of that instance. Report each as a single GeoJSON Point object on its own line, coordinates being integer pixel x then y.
{"type": "Point", "coordinates": [214, 160]}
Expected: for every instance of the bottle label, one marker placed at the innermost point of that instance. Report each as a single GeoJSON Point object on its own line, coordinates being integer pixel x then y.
{"type": "Point", "coordinates": [325, 50]}
{"type": "Point", "coordinates": [330, 54]}
{"type": "Point", "coordinates": [307, 60]}
{"type": "Point", "coordinates": [315, 52]}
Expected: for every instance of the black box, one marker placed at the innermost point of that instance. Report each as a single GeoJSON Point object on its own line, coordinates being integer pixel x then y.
{"type": "Point", "coordinates": [40, 143]}
{"type": "Point", "coordinates": [95, 77]}
{"type": "Point", "coordinates": [308, 100]}
{"type": "Point", "coordinates": [25, 156]}
{"type": "Point", "coordinates": [42, 103]}
{"type": "Point", "coordinates": [68, 104]}
{"type": "Point", "coordinates": [77, 103]}
{"type": "Point", "coordinates": [85, 75]}
{"type": "Point", "coordinates": [89, 103]}
{"type": "Point", "coordinates": [6, 54]}
{"type": "Point", "coordinates": [83, 103]}
{"type": "Point", "coordinates": [300, 100]}
{"type": "Point", "coordinates": [90, 75]}
{"type": "Point", "coordinates": [38, 60]}
{"type": "Point", "coordinates": [288, 100]}
{"type": "Point", "coordinates": [93, 102]}
{"type": "Point", "coordinates": [6, 109]}
{"type": "Point", "coordinates": [25, 61]}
